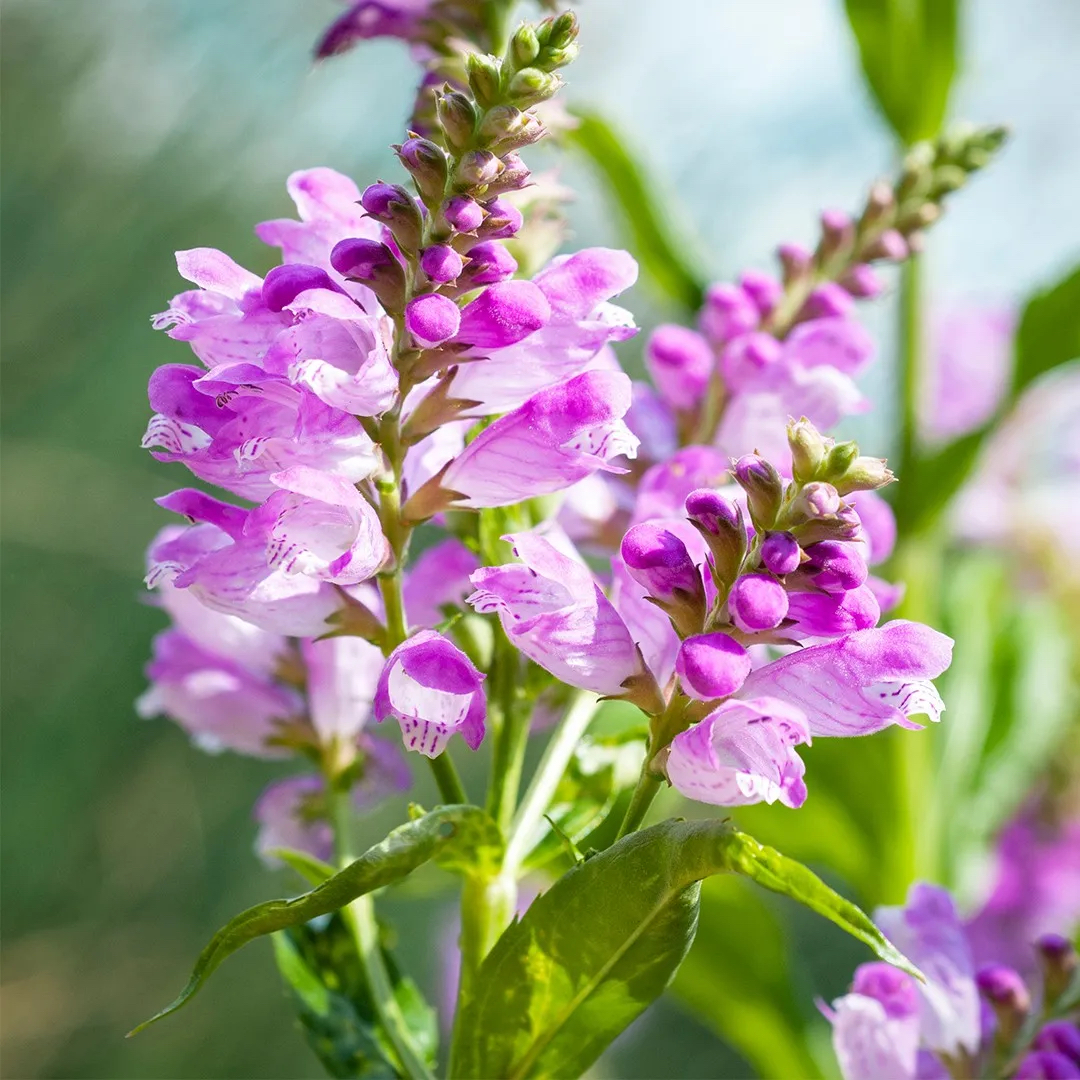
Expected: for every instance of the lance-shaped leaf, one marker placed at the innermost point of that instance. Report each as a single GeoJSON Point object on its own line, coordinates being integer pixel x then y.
{"type": "Point", "coordinates": [908, 52]}
{"type": "Point", "coordinates": [597, 948]}
{"type": "Point", "coordinates": [664, 252]}
{"type": "Point", "coordinates": [442, 833]}
{"type": "Point", "coordinates": [1049, 330]}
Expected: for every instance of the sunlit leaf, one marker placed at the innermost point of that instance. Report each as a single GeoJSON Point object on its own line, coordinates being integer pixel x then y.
{"type": "Point", "coordinates": [656, 242]}
{"type": "Point", "coordinates": [443, 832]}
{"type": "Point", "coordinates": [604, 941]}
{"type": "Point", "coordinates": [1049, 330]}
{"type": "Point", "coordinates": [908, 52]}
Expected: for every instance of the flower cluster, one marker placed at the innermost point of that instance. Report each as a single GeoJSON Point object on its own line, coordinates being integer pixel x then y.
{"type": "Point", "coordinates": [961, 1021]}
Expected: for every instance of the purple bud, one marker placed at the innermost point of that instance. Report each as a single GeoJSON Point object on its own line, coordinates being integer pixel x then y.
{"type": "Point", "coordinates": [515, 174]}
{"type": "Point", "coordinates": [378, 199]}
{"type": "Point", "coordinates": [863, 282]}
{"type": "Point", "coordinates": [817, 500]}
{"type": "Point", "coordinates": [504, 220]}
{"type": "Point", "coordinates": [432, 319]}
{"type": "Point", "coordinates": [463, 213]}
{"type": "Point", "coordinates": [712, 666]}
{"type": "Point", "coordinates": [658, 560]}
{"type": "Point", "coordinates": [894, 989]}
{"type": "Point", "coordinates": [728, 312]}
{"type": "Point", "coordinates": [1003, 987]}
{"type": "Point", "coordinates": [479, 168]}
{"type": "Point", "coordinates": [490, 263]}
{"type": "Point", "coordinates": [504, 314]}
{"type": "Point", "coordinates": [285, 283]}
{"type": "Point", "coordinates": [795, 260]}
{"type": "Point", "coordinates": [763, 289]}
{"type": "Point", "coordinates": [837, 229]}
{"type": "Point", "coordinates": [835, 567]}
{"type": "Point", "coordinates": [1046, 1065]}
{"type": "Point", "coordinates": [889, 245]}
{"type": "Point", "coordinates": [745, 357]}
{"type": "Point", "coordinates": [763, 486]}
{"type": "Point", "coordinates": [757, 602]}
{"type": "Point", "coordinates": [1062, 1037]}
{"type": "Point", "coordinates": [441, 263]}
{"type": "Point", "coordinates": [780, 553]}
{"type": "Point", "coordinates": [827, 300]}
{"type": "Point", "coordinates": [712, 511]}
{"type": "Point", "coordinates": [1058, 965]}
{"type": "Point", "coordinates": [1055, 947]}
{"type": "Point", "coordinates": [360, 258]}
{"type": "Point", "coordinates": [681, 363]}
{"type": "Point", "coordinates": [427, 163]}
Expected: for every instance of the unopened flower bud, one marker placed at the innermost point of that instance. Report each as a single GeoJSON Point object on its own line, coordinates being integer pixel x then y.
{"type": "Point", "coordinates": [373, 264]}
{"type": "Point", "coordinates": [948, 178]}
{"type": "Point", "coordinates": [1008, 995]}
{"type": "Point", "coordinates": [428, 165]}
{"type": "Point", "coordinates": [458, 117]}
{"type": "Point", "coordinates": [816, 500]}
{"type": "Point", "coordinates": [561, 31]}
{"type": "Point", "coordinates": [837, 234]}
{"type": "Point", "coordinates": [478, 168]}
{"type": "Point", "coordinates": [432, 319]}
{"type": "Point", "coordinates": [1045, 1065]}
{"type": "Point", "coordinates": [880, 204]}
{"type": "Point", "coordinates": [862, 282]}
{"type": "Point", "coordinates": [922, 217]}
{"type": "Point", "coordinates": [489, 262]}
{"type": "Point", "coordinates": [530, 86]}
{"type": "Point", "coordinates": [658, 561]}
{"type": "Point", "coordinates": [795, 260]}
{"type": "Point", "coordinates": [744, 358]}
{"type": "Point", "coordinates": [863, 474]}
{"type": "Point", "coordinates": [1059, 963]}
{"type": "Point", "coordinates": [514, 175]}
{"type": "Point", "coordinates": [503, 221]}
{"type": "Point", "coordinates": [728, 312]}
{"type": "Point", "coordinates": [508, 128]}
{"type": "Point", "coordinates": [1060, 1037]}
{"type": "Point", "coordinates": [838, 460]}
{"type": "Point", "coordinates": [441, 263]}
{"type": "Point", "coordinates": [681, 364]}
{"type": "Point", "coordinates": [763, 486]}
{"type": "Point", "coordinates": [835, 566]}
{"type": "Point", "coordinates": [780, 552]}
{"type": "Point", "coordinates": [711, 666]}
{"type": "Point", "coordinates": [396, 208]}
{"type": "Point", "coordinates": [283, 284]}
{"type": "Point", "coordinates": [462, 213]}
{"type": "Point", "coordinates": [845, 525]}
{"type": "Point", "coordinates": [525, 46]}
{"type": "Point", "coordinates": [808, 449]}
{"type": "Point", "coordinates": [827, 300]}
{"type": "Point", "coordinates": [763, 289]}
{"type": "Point", "coordinates": [485, 74]}
{"type": "Point", "coordinates": [720, 522]}
{"type": "Point", "coordinates": [890, 245]}
{"type": "Point", "coordinates": [503, 314]}
{"type": "Point", "coordinates": [757, 602]}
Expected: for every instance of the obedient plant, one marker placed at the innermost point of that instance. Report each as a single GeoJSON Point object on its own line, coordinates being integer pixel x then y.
{"type": "Point", "coordinates": [457, 512]}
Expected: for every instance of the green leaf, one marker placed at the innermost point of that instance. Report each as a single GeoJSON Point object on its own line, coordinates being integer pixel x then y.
{"type": "Point", "coordinates": [908, 52]}
{"type": "Point", "coordinates": [656, 242]}
{"type": "Point", "coordinates": [736, 979]}
{"type": "Point", "coordinates": [1049, 331]}
{"type": "Point", "coordinates": [602, 944]}
{"type": "Point", "coordinates": [314, 871]}
{"type": "Point", "coordinates": [440, 833]}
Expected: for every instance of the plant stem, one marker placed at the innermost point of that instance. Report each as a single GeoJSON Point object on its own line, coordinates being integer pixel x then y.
{"type": "Point", "coordinates": [359, 917]}
{"type": "Point", "coordinates": [557, 755]}
{"type": "Point", "coordinates": [446, 776]}
{"type": "Point", "coordinates": [511, 734]}
{"type": "Point", "coordinates": [648, 787]}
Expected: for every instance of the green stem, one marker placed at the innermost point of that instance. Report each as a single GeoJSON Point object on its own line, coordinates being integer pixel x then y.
{"type": "Point", "coordinates": [446, 776]}
{"type": "Point", "coordinates": [511, 733]}
{"type": "Point", "coordinates": [911, 379]}
{"type": "Point", "coordinates": [557, 755]}
{"type": "Point", "coordinates": [359, 917]}
{"type": "Point", "coordinates": [648, 787]}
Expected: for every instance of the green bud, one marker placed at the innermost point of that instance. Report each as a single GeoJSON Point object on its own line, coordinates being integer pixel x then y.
{"type": "Point", "coordinates": [808, 449]}
{"type": "Point", "coordinates": [864, 474]}
{"type": "Point", "coordinates": [458, 117]}
{"type": "Point", "coordinates": [478, 168]}
{"type": "Point", "coordinates": [525, 46]}
{"type": "Point", "coordinates": [427, 163]}
{"type": "Point", "coordinates": [530, 86]}
{"type": "Point", "coordinates": [563, 30]}
{"type": "Point", "coordinates": [948, 178]}
{"type": "Point", "coordinates": [551, 59]}
{"type": "Point", "coordinates": [485, 78]}
{"type": "Point", "coordinates": [507, 128]}
{"type": "Point", "coordinates": [838, 460]}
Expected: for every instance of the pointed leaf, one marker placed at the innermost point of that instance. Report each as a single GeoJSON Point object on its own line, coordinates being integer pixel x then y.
{"type": "Point", "coordinates": [438, 833]}
{"type": "Point", "coordinates": [1049, 330]}
{"type": "Point", "coordinates": [314, 871]}
{"type": "Point", "coordinates": [908, 53]}
{"type": "Point", "coordinates": [651, 235]}
{"type": "Point", "coordinates": [602, 944]}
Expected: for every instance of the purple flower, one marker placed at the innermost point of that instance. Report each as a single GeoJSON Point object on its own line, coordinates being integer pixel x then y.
{"type": "Point", "coordinates": [581, 322]}
{"type": "Point", "coordinates": [554, 612]}
{"type": "Point", "coordinates": [835, 566]}
{"type": "Point", "coordinates": [742, 753]}
{"type": "Point", "coordinates": [1047, 1065]}
{"type": "Point", "coordinates": [929, 932]}
{"type": "Point", "coordinates": [712, 666]}
{"type": "Point", "coordinates": [432, 319]}
{"type": "Point", "coordinates": [1062, 1037]}
{"type": "Point", "coordinates": [502, 315]}
{"type": "Point", "coordinates": [658, 561]}
{"type": "Point", "coordinates": [862, 683]}
{"type": "Point", "coordinates": [747, 358]}
{"type": "Point", "coordinates": [653, 423]}
{"type": "Point", "coordinates": [876, 1026]}
{"type": "Point", "coordinates": [728, 312]}
{"type": "Point", "coordinates": [218, 701]}
{"type": "Point", "coordinates": [433, 691]}
{"type": "Point", "coordinates": [757, 602]}
{"type": "Point", "coordinates": [437, 578]}
{"type": "Point", "coordinates": [681, 362]}
{"type": "Point", "coordinates": [559, 436]}
{"type": "Point", "coordinates": [463, 213]}
{"type": "Point", "coordinates": [365, 19]}
{"type": "Point", "coordinates": [342, 673]}
{"type": "Point", "coordinates": [780, 553]}
{"type": "Point", "coordinates": [878, 524]}
{"type": "Point", "coordinates": [663, 489]}
{"type": "Point", "coordinates": [828, 615]}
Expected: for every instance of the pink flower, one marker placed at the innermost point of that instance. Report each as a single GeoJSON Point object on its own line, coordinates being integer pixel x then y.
{"type": "Point", "coordinates": [712, 666]}
{"type": "Point", "coordinates": [439, 577]}
{"type": "Point", "coordinates": [742, 753]}
{"type": "Point", "coordinates": [559, 436]}
{"type": "Point", "coordinates": [861, 683]}
{"type": "Point", "coordinates": [554, 612]}
{"type": "Point", "coordinates": [342, 674]}
{"type": "Point", "coordinates": [433, 691]}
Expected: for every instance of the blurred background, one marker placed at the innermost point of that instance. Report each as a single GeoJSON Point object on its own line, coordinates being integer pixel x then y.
{"type": "Point", "coordinates": [132, 128]}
